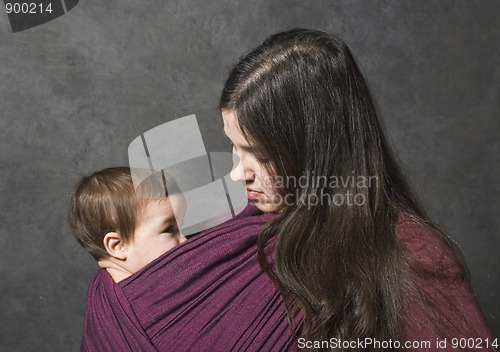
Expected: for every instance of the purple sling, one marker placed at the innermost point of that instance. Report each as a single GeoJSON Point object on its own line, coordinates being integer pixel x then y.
{"type": "Point", "coordinates": [208, 294]}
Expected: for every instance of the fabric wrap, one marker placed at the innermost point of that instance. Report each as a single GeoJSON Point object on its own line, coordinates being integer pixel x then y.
{"type": "Point", "coordinates": [207, 294]}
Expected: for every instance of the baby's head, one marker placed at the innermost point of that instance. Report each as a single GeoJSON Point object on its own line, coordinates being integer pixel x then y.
{"type": "Point", "coordinates": [121, 228]}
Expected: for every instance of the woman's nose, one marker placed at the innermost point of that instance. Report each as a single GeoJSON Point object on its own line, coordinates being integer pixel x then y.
{"type": "Point", "coordinates": [237, 173]}
{"type": "Point", "coordinates": [242, 171]}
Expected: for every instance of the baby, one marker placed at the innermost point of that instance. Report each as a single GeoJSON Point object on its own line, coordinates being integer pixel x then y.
{"type": "Point", "coordinates": [122, 227]}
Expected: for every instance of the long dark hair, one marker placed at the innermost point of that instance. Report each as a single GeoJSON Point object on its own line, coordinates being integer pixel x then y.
{"type": "Point", "coordinates": [304, 106]}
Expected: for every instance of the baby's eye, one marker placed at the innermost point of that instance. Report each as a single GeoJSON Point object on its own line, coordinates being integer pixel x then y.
{"type": "Point", "coordinates": [169, 229]}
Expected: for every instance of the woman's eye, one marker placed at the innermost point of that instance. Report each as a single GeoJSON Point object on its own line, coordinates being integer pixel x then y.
{"type": "Point", "coordinates": [261, 158]}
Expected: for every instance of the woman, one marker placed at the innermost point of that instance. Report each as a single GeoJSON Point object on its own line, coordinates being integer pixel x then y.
{"type": "Point", "coordinates": [355, 253]}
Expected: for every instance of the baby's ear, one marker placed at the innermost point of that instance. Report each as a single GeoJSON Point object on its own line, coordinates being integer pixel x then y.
{"type": "Point", "coordinates": [115, 246]}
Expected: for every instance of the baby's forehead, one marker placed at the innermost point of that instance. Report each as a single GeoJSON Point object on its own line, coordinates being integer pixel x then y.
{"type": "Point", "coordinates": [154, 184]}
{"type": "Point", "coordinates": [172, 206]}
{"type": "Point", "coordinates": [155, 204]}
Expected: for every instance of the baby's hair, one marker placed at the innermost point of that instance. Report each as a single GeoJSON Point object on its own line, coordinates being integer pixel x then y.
{"type": "Point", "coordinates": [107, 201]}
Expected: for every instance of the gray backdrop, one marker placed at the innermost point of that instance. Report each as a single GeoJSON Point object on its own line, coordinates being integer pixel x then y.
{"type": "Point", "coordinates": [76, 91]}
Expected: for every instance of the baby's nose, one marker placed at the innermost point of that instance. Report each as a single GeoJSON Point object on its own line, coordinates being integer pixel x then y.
{"type": "Point", "coordinates": [182, 238]}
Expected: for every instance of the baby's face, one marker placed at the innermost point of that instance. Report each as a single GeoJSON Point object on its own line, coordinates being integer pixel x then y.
{"type": "Point", "coordinates": [156, 232]}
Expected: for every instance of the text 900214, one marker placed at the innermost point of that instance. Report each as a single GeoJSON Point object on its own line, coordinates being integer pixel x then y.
{"type": "Point", "coordinates": [28, 8]}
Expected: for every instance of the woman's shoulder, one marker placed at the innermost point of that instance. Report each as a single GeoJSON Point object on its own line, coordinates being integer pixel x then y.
{"type": "Point", "coordinates": [427, 249]}
{"type": "Point", "coordinates": [447, 306]}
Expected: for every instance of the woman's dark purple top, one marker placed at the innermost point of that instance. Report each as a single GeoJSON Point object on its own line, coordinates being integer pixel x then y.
{"type": "Point", "coordinates": [210, 294]}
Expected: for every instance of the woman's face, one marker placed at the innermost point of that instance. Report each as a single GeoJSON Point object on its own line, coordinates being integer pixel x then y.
{"type": "Point", "coordinates": [257, 180]}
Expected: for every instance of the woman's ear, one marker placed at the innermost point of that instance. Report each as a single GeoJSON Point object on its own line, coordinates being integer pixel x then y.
{"type": "Point", "coordinates": [115, 246]}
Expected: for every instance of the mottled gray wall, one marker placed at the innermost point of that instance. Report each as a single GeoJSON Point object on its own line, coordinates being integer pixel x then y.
{"type": "Point", "coordinates": [76, 91]}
